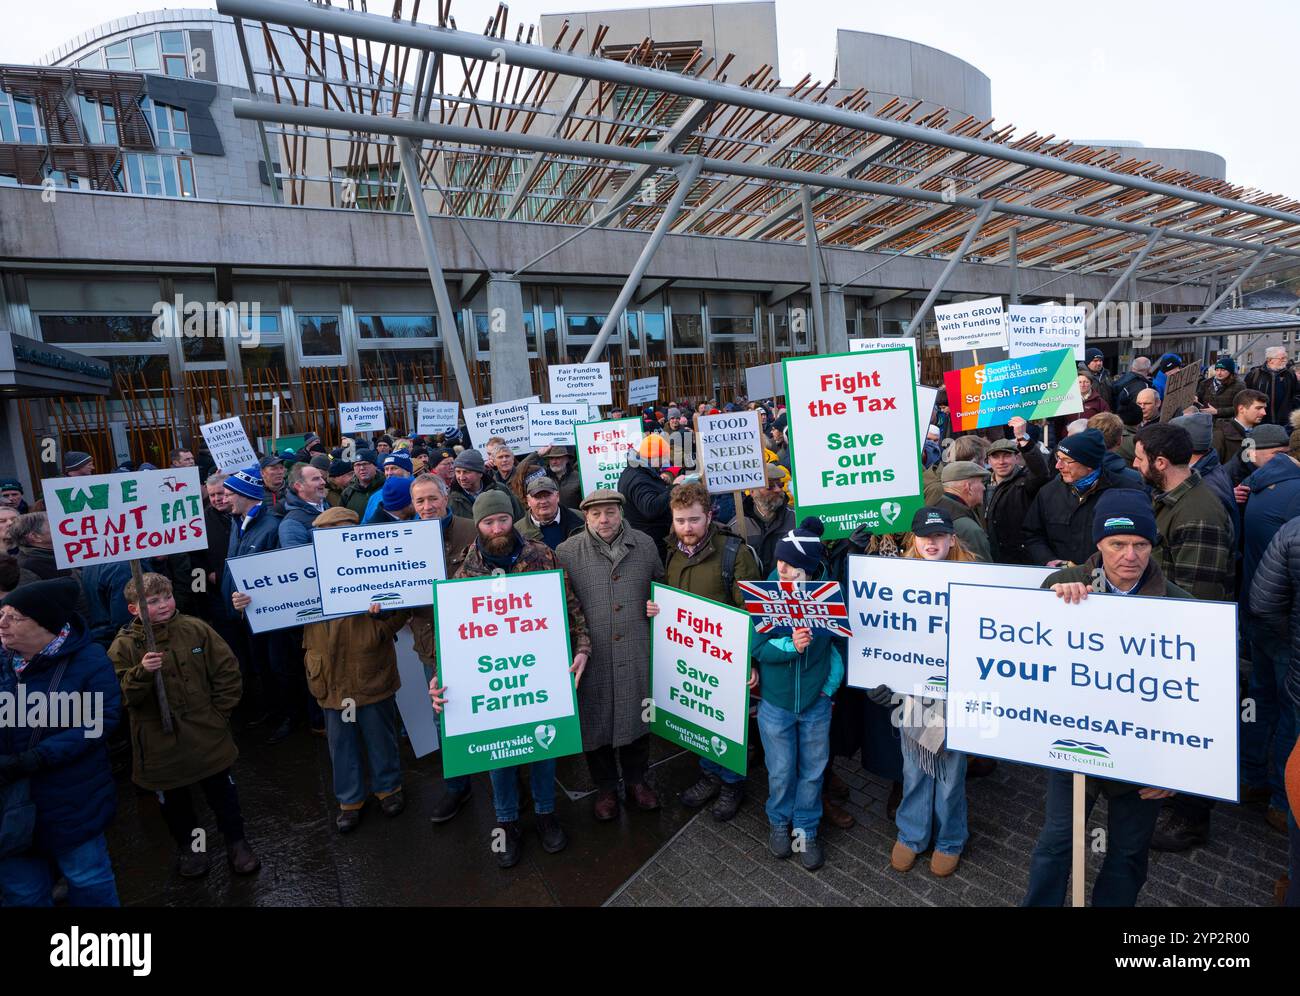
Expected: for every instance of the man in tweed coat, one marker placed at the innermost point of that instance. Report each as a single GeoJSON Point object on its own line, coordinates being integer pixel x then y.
{"type": "Point", "coordinates": [610, 566]}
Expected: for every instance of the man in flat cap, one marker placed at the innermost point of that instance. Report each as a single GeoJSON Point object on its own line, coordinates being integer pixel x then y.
{"type": "Point", "coordinates": [963, 493]}
{"type": "Point", "coordinates": [611, 566]}
{"type": "Point", "coordinates": [546, 519]}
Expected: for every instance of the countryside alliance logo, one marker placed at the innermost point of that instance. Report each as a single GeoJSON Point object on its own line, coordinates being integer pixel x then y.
{"type": "Point", "coordinates": [890, 511]}
{"type": "Point", "coordinates": [1081, 752]}
{"type": "Point", "coordinates": [719, 746]}
{"type": "Point", "coordinates": [545, 735]}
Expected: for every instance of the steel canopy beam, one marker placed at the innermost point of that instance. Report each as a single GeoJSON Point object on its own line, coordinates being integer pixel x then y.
{"type": "Point", "coordinates": [399, 127]}
{"type": "Point", "coordinates": [485, 48]}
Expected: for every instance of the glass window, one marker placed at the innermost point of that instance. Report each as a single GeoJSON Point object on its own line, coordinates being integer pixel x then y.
{"type": "Point", "coordinates": [170, 180]}
{"type": "Point", "coordinates": [409, 366]}
{"type": "Point", "coordinates": [174, 65]}
{"type": "Point", "coordinates": [95, 60]}
{"type": "Point", "coordinates": [173, 42]}
{"type": "Point", "coordinates": [585, 326]}
{"type": "Point", "coordinates": [7, 133]}
{"type": "Point", "coordinates": [688, 322]}
{"type": "Point", "coordinates": [319, 335]}
{"type": "Point", "coordinates": [267, 356]}
{"type": "Point", "coordinates": [29, 124]}
{"type": "Point", "coordinates": [186, 167]}
{"type": "Point", "coordinates": [133, 173]}
{"type": "Point", "coordinates": [90, 125]}
{"type": "Point", "coordinates": [397, 326]}
{"type": "Point", "coordinates": [145, 49]}
{"type": "Point", "coordinates": [119, 56]}
{"type": "Point", "coordinates": [96, 329]}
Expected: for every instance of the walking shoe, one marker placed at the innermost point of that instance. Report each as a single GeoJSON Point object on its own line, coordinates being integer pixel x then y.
{"type": "Point", "coordinates": [1276, 819]}
{"type": "Point", "coordinates": [942, 865]}
{"type": "Point", "coordinates": [508, 843]}
{"type": "Point", "coordinates": [814, 855]}
{"type": "Point", "coordinates": [646, 798]}
{"type": "Point", "coordinates": [606, 807]}
{"type": "Point", "coordinates": [894, 801]}
{"type": "Point", "coordinates": [1175, 832]}
{"type": "Point", "coordinates": [978, 767]}
{"type": "Point", "coordinates": [552, 834]}
{"type": "Point", "coordinates": [835, 785]}
{"type": "Point", "coordinates": [702, 791]}
{"type": "Point", "coordinates": [241, 858]}
{"type": "Point", "coordinates": [729, 799]}
{"type": "Point", "coordinates": [193, 864]}
{"type": "Point", "coordinates": [347, 820]}
{"type": "Point", "coordinates": [902, 858]}
{"type": "Point", "coordinates": [840, 817]}
{"type": "Point", "coordinates": [448, 806]}
{"type": "Point", "coordinates": [393, 804]}
{"type": "Point", "coordinates": [778, 842]}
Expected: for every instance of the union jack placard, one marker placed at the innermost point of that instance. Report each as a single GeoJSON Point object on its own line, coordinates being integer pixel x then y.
{"type": "Point", "coordinates": [807, 604]}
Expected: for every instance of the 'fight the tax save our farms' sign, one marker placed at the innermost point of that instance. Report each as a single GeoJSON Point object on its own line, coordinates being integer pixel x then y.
{"type": "Point", "coordinates": [602, 449]}
{"type": "Point", "coordinates": [855, 459]}
{"type": "Point", "coordinates": [699, 676]}
{"type": "Point", "coordinates": [504, 657]}
{"type": "Point", "coordinates": [106, 518]}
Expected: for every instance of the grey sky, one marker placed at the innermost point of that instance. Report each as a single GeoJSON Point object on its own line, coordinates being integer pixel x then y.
{"type": "Point", "coordinates": [1194, 75]}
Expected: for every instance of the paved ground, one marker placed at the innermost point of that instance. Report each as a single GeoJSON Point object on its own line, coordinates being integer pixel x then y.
{"type": "Point", "coordinates": [727, 864]}
{"type": "Point", "coordinates": [670, 857]}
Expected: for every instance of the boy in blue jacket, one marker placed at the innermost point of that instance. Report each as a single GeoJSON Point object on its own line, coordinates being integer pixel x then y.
{"type": "Point", "coordinates": [799, 670]}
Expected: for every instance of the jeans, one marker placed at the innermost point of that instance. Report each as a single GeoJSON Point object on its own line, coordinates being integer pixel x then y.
{"type": "Point", "coordinates": [934, 806]}
{"type": "Point", "coordinates": [797, 748]}
{"type": "Point", "coordinates": [178, 809]}
{"type": "Point", "coordinates": [603, 763]}
{"type": "Point", "coordinates": [1129, 827]}
{"type": "Point", "coordinates": [1263, 750]}
{"type": "Point", "coordinates": [25, 879]}
{"type": "Point", "coordinates": [712, 767]}
{"type": "Point", "coordinates": [505, 790]}
{"type": "Point", "coordinates": [374, 728]}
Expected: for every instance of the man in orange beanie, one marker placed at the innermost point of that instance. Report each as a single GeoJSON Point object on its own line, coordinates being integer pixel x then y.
{"type": "Point", "coordinates": [645, 491]}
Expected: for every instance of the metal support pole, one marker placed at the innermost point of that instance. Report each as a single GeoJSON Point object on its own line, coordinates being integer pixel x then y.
{"type": "Point", "coordinates": [685, 181]}
{"type": "Point", "coordinates": [261, 125]}
{"type": "Point", "coordinates": [939, 284]}
{"type": "Point", "coordinates": [1013, 261]}
{"type": "Point", "coordinates": [814, 270]}
{"type": "Point", "coordinates": [375, 27]}
{"type": "Point", "coordinates": [1133, 264]}
{"type": "Point", "coordinates": [446, 317]}
{"type": "Point", "coordinates": [1242, 277]}
{"type": "Point", "coordinates": [252, 110]}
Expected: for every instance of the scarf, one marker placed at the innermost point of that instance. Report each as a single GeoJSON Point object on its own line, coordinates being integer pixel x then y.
{"type": "Point", "coordinates": [1084, 484]}
{"type": "Point", "coordinates": [615, 548]}
{"type": "Point", "coordinates": [49, 650]}
{"type": "Point", "coordinates": [504, 561]}
{"type": "Point", "coordinates": [922, 727]}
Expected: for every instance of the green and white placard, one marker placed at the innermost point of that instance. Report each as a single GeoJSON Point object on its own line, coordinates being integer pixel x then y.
{"type": "Point", "coordinates": [854, 457]}
{"type": "Point", "coordinates": [699, 676]}
{"type": "Point", "coordinates": [504, 658]}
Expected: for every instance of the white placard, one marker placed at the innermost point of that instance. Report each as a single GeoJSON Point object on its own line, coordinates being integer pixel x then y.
{"type": "Point", "coordinates": [361, 416]}
{"type": "Point", "coordinates": [898, 612]}
{"type": "Point", "coordinates": [602, 449]}
{"type": "Point", "coordinates": [282, 585]}
{"type": "Point", "coordinates": [643, 390]}
{"type": "Point", "coordinates": [435, 417]}
{"type": "Point", "coordinates": [105, 518]}
{"type": "Point", "coordinates": [1140, 690]}
{"type": "Point", "coordinates": [508, 419]}
{"type": "Point", "coordinates": [392, 564]}
{"type": "Point", "coordinates": [587, 382]}
{"type": "Point", "coordinates": [971, 325]}
{"type": "Point", "coordinates": [552, 425]}
{"type": "Point", "coordinates": [925, 399]}
{"type": "Point", "coordinates": [228, 443]}
{"type": "Point", "coordinates": [413, 697]}
{"type": "Point", "coordinates": [764, 381]}
{"type": "Point", "coordinates": [867, 345]}
{"type": "Point", "coordinates": [1038, 328]}
{"type": "Point", "coordinates": [731, 451]}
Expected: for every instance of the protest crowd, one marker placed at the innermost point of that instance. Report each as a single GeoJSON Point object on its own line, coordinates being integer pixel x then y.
{"type": "Point", "coordinates": [1113, 499]}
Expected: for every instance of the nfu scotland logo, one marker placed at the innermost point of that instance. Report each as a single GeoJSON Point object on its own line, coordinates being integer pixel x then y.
{"type": "Point", "coordinates": [1081, 752]}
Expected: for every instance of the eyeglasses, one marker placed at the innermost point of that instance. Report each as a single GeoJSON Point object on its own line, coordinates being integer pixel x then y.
{"type": "Point", "coordinates": [8, 617]}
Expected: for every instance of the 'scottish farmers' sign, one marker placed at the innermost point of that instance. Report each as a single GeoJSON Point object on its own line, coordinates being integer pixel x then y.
{"type": "Point", "coordinates": [110, 517]}
{"type": "Point", "coordinates": [1032, 387]}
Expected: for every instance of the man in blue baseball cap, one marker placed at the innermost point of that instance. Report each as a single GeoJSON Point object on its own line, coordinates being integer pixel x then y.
{"type": "Point", "coordinates": [1124, 532]}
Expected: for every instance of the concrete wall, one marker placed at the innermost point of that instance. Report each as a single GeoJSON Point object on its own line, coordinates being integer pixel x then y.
{"type": "Point", "coordinates": [1192, 160]}
{"type": "Point", "coordinates": [894, 66]}
{"type": "Point", "coordinates": [106, 228]}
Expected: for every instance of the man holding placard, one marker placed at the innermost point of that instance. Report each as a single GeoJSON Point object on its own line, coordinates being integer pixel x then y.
{"type": "Point", "coordinates": [1125, 532]}
{"type": "Point", "coordinates": [501, 550]}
